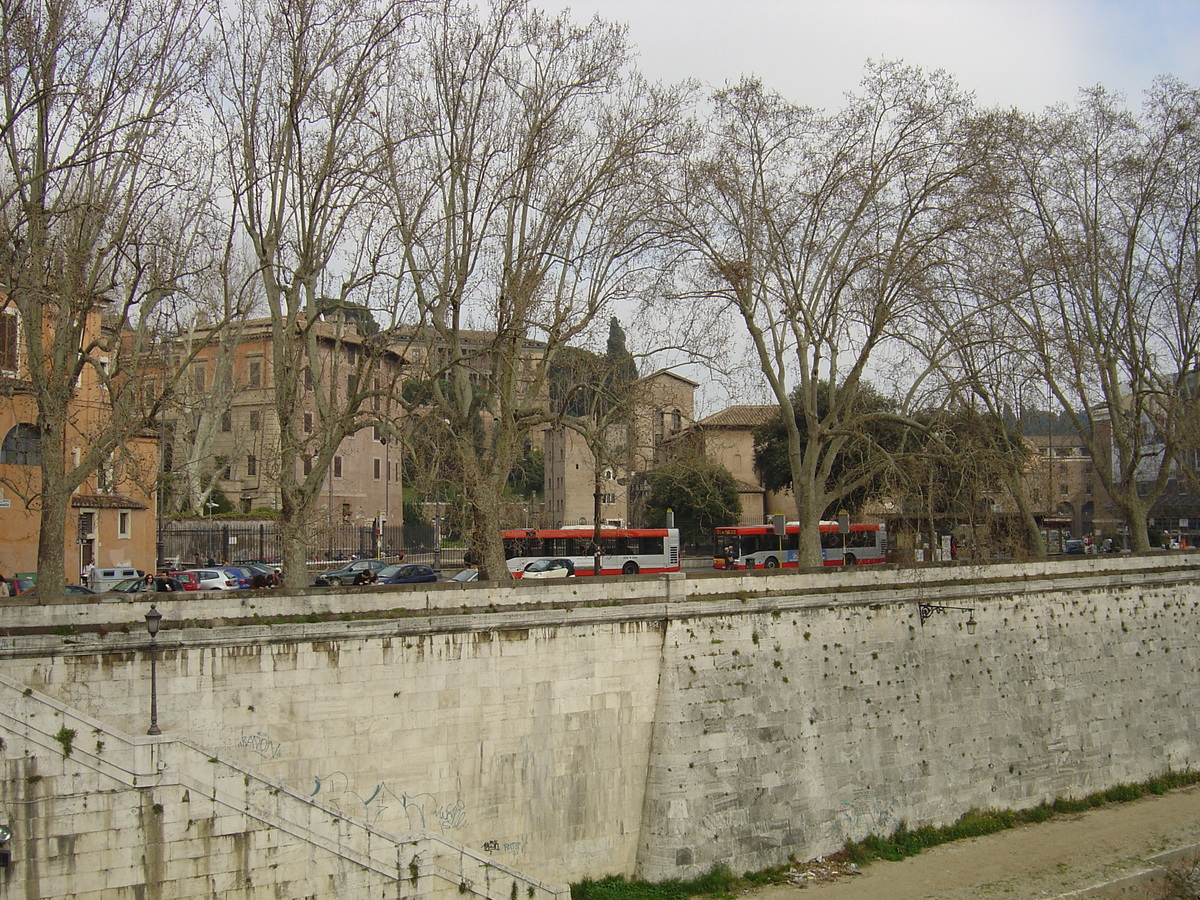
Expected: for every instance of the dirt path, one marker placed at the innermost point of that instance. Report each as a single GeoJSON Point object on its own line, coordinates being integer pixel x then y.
{"type": "Point", "coordinates": [1069, 853]}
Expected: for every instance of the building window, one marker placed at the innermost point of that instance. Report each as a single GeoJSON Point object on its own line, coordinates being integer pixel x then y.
{"type": "Point", "coordinates": [308, 380]}
{"type": "Point", "coordinates": [337, 467]}
{"type": "Point", "coordinates": [307, 467]}
{"type": "Point", "coordinates": [22, 446]}
{"type": "Point", "coordinates": [227, 421]}
{"type": "Point", "coordinates": [124, 521]}
{"type": "Point", "coordinates": [308, 423]}
{"type": "Point", "coordinates": [9, 341]}
{"type": "Point", "coordinates": [252, 465]}
{"type": "Point", "coordinates": [199, 380]}
{"type": "Point", "coordinates": [255, 373]}
{"type": "Point", "coordinates": [255, 420]}
{"type": "Point", "coordinates": [106, 481]}
{"type": "Point", "coordinates": [1064, 489]}
{"type": "Point", "coordinates": [378, 468]}
{"type": "Point", "coordinates": [608, 498]}
{"type": "Point", "coordinates": [345, 512]}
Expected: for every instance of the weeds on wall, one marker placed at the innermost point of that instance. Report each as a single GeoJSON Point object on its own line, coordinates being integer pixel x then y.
{"type": "Point", "coordinates": [976, 823]}
{"type": "Point", "coordinates": [721, 883]}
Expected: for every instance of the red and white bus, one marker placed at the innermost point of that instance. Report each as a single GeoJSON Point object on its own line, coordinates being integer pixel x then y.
{"type": "Point", "coordinates": [624, 551]}
{"type": "Point", "coordinates": [759, 547]}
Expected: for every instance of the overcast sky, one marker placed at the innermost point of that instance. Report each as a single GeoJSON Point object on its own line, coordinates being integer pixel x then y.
{"type": "Point", "coordinates": [1023, 53]}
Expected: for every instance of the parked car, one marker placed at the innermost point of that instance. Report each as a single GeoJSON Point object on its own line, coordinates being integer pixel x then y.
{"type": "Point", "coordinates": [406, 573]}
{"type": "Point", "coordinates": [464, 576]}
{"type": "Point", "coordinates": [1074, 547]}
{"type": "Point", "coordinates": [345, 575]}
{"type": "Point", "coordinates": [215, 579]}
{"type": "Point", "coordinates": [272, 574]}
{"type": "Point", "coordinates": [549, 568]}
{"type": "Point", "coordinates": [244, 574]}
{"type": "Point", "coordinates": [130, 586]}
{"type": "Point", "coordinates": [79, 589]}
{"type": "Point", "coordinates": [104, 579]}
{"type": "Point", "coordinates": [240, 578]}
{"type": "Point", "coordinates": [189, 580]}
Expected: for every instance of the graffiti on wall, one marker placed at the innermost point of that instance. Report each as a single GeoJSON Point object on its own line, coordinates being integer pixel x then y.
{"type": "Point", "coordinates": [261, 743]}
{"type": "Point", "coordinates": [858, 819]}
{"type": "Point", "coordinates": [400, 810]}
{"type": "Point", "coordinates": [512, 848]}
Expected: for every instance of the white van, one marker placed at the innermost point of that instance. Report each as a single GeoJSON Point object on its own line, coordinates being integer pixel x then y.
{"type": "Point", "coordinates": [102, 579]}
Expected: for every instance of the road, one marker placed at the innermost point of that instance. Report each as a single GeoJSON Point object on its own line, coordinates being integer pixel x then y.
{"type": "Point", "coordinates": [1060, 858]}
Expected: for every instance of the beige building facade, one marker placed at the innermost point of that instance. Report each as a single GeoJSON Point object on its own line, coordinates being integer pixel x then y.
{"type": "Point", "coordinates": [664, 408]}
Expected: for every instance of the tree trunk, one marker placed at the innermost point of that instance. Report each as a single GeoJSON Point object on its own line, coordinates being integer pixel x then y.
{"type": "Point", "coordinates": [55, 501]}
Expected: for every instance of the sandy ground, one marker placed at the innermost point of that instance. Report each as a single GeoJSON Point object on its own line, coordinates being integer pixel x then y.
{"type": "Point", "coordinates": [1067, 854]}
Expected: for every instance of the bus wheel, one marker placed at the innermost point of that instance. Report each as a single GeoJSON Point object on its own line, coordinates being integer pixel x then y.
{"type": "Point", "coordinates": [849, 560]}
{"type": "Point", "coordinates": [630, 568]}
{"type": "Point", "coordinates": [771, 563]}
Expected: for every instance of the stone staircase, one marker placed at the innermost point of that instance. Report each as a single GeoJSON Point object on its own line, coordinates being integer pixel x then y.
{"type": "Point", "coordinates": [99, 813]}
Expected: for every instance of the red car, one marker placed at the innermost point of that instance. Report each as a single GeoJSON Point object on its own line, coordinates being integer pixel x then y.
{"type": "Point", "coordinates": [189, 580]}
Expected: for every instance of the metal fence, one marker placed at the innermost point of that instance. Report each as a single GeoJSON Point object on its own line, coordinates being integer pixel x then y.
{"type": "Point", "coordinates": [189, 543]}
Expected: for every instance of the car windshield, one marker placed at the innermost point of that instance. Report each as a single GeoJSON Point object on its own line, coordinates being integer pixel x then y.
{"type": "Point", "coordinates": [543, 565]}
{"type": "Point", "coordinates": [465, 575]}
{"type": "Point", "coordinates": [391, 571]}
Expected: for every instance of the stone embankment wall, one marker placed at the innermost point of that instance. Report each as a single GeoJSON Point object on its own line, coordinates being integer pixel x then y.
{"type": "Point", "coordinates": [657, 726]}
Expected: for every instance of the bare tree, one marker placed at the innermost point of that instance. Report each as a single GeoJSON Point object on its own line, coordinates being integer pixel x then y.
{"type": "Point", "coordinates": [595, 397]}
{"type": "Point", "coordinates": [521, 151]}
{"type": "Point", "coordinates": [225, 296]}
{"type": "Point", "coordinates": [297, 104]}
{"type": "Point", "coordinates": [1102, 232]}
{"type": "Point", "coordinates": [825, 234]}
{"type": "Point", "coordinates": [97, 219]}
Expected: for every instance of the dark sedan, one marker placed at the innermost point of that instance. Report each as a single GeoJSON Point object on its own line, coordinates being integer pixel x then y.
{"type": "Point", "coordinates": [406, 573]}
{"type": "Point", "coordinates": [345, 575]}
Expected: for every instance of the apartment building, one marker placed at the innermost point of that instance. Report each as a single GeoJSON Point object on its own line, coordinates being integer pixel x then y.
{"type": "Point", "coordinates": [111, 521]}
{"type": "Point", "coordinates": [663, 408]}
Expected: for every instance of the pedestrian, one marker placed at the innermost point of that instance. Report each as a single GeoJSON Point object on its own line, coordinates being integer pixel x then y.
{"type": "Point", "coordinates": [728, 557]}
{"type": "Point", "coordinates": [85, 577]}
{"type": "Point", "coordinates": [5, 590]}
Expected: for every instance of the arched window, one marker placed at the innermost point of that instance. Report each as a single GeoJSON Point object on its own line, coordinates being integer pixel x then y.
{"type": "Point", "coordinates": [22, 446]}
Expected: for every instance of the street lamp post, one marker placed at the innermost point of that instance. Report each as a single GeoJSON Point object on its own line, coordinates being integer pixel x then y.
{"type": "Point", "coordinates": [153, 618]}
{"type": "Point", "coordinates": [387, 484]}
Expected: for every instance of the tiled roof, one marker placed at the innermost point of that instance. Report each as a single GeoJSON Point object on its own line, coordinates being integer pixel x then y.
{"type": "Point", "coordinates": [740, 417]}
{"type": "Point", "coordinates": [106, 501]}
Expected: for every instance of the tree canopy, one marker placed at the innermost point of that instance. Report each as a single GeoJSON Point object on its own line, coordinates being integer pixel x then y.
{"type": "Point", "coordinates": [701, 493]}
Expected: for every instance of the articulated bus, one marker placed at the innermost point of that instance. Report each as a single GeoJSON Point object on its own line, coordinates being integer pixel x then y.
{"type": "Point", "coordinates": [759, 547]}
{"type": "Point", "coordinates": [624, 551]}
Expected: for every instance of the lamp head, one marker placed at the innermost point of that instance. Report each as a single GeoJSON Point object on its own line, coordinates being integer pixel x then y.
{"type": "Point", "coordinates": [153, 617]}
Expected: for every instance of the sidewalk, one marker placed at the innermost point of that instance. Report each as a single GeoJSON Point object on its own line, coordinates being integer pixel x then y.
{"type": "Point", "coordinates": [1069, 856]}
